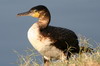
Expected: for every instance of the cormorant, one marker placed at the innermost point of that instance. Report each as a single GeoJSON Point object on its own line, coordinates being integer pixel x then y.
{"type": "Point", "coordinates": [52, 42]}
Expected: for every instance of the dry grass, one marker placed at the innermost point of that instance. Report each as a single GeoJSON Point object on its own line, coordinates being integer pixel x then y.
{"type": "Point", "coordinates": [87, 57]}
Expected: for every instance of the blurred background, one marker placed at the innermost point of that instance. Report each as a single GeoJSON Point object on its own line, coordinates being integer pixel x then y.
{"type": "Point", "coordinates": [81, 16]}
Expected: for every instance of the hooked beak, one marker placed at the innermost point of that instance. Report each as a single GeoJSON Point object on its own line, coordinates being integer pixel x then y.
{"type": "Point", "coordinates": [29, 13]}
{"type": "Point", "coordinates": [24, 14]}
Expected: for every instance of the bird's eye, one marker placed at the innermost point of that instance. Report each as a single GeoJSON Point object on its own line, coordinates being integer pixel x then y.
{"type": "Point", "coordinates": [35, 10]}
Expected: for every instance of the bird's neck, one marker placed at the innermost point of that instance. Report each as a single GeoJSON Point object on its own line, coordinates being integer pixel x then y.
{"type": "Point", "coordinates": [44, 20]}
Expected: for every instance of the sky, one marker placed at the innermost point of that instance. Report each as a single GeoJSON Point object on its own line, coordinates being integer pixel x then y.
{"type": "Point", "coordinates": [81, 16]}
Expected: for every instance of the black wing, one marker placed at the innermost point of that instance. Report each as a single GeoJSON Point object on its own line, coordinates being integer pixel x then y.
{"type": "Point", "coordinates": [64, 38]}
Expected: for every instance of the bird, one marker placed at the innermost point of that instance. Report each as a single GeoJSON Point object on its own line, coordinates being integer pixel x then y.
{"type": "Point", "coordinates": [53, 43]}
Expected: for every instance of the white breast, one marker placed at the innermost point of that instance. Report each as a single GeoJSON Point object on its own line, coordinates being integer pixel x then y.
{"type": "Point", "coordinates": [36, 39]}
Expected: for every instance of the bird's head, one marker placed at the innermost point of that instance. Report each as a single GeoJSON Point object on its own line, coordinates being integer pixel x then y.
{"type": "Point", "coordinates": [37, 12]}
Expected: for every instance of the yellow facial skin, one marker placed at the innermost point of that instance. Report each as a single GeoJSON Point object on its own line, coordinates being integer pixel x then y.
{"type": "Point", "coordinates": [36, 14]}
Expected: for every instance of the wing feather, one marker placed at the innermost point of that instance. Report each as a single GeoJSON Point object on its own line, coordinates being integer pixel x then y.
{"type": "Point", "coordinates": [64, 37]}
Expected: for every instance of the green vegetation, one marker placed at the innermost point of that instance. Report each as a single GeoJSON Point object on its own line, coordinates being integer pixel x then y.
{"type": "Point", "coordinates": [88, 56]}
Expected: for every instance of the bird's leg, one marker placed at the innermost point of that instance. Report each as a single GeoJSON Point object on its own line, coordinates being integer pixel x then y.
{"type": "Point", "coordinates": [68, 55]}
{"type": "Point", "coordinates": [46, 62]}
